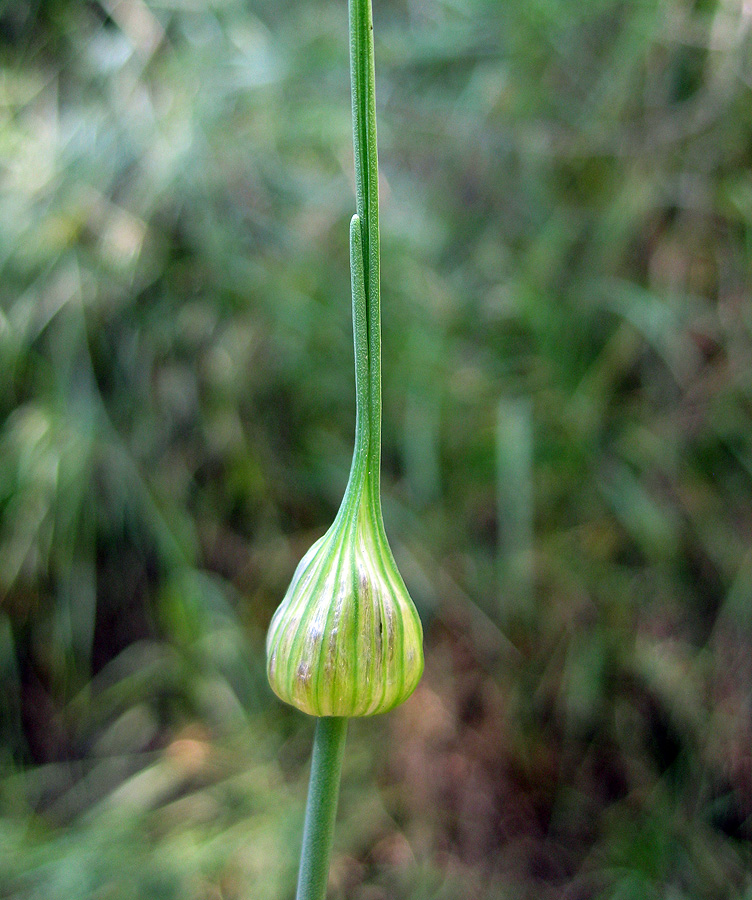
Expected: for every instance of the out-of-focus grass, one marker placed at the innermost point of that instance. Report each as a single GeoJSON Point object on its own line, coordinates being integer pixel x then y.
{"type": "Point", "coordinates": [567, 230]}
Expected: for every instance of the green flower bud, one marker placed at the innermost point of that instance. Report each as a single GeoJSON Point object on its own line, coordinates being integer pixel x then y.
{"type": "Point", "coordinates": [346, 640]}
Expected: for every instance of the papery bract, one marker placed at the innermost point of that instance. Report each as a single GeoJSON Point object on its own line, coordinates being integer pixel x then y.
{"type": "Point", "coordinates": [346, 640]}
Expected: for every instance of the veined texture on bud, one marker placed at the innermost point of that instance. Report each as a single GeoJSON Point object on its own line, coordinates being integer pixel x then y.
{"type": "Point", "coordinates": [346, 640]}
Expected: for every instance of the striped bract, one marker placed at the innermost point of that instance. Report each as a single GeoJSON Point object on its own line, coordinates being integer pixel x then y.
{"type": "Point", "coordinates": [346, 640]}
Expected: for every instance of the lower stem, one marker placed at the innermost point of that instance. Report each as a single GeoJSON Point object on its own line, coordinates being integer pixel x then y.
{"type": "Point", "coordinates": [321, 809]}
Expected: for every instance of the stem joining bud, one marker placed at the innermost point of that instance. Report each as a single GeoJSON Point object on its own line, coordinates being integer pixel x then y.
{"type": "Point", "coordinates": [346, 640]}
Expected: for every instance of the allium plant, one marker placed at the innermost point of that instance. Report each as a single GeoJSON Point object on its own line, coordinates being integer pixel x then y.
{"type": "Point", "coordinates": [346, 639]}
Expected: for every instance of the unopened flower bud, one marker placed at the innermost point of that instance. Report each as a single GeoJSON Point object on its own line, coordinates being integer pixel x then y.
{"type": "Point", "coordinates": [346, 640]}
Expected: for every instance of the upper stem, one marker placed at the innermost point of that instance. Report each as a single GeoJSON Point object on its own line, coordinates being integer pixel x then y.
{"type": "Point", "coordinates": [362, 84]}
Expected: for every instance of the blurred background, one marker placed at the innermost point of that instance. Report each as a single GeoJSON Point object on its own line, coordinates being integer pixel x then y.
{"type": "Point", "coordinates": [567, 246]}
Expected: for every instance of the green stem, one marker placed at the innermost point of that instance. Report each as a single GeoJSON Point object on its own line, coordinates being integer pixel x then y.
{"type": "Point", "coordinates": [321, 810]}
{"type": "Point", "coordinates": [362, 83]}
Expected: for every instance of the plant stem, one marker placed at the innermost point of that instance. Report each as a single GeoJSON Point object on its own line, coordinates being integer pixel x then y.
{"type": "Point", "coordinates": [321, 809]}
{"type": "Point", "coordinates": [362, 85]}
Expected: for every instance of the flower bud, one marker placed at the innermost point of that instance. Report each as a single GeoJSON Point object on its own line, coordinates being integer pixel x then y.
{"type": "Point", "coordinates": [346, 640]}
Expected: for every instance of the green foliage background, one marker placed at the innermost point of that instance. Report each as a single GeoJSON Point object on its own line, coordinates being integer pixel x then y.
{"type": "Point", "coordinates": [567, 247]}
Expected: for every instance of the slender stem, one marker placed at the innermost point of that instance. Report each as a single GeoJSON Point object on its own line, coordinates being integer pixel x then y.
{"type": "Point", "coordinates": [362, 81]}
{"type": "Point", "coordinates": [321, 810]}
